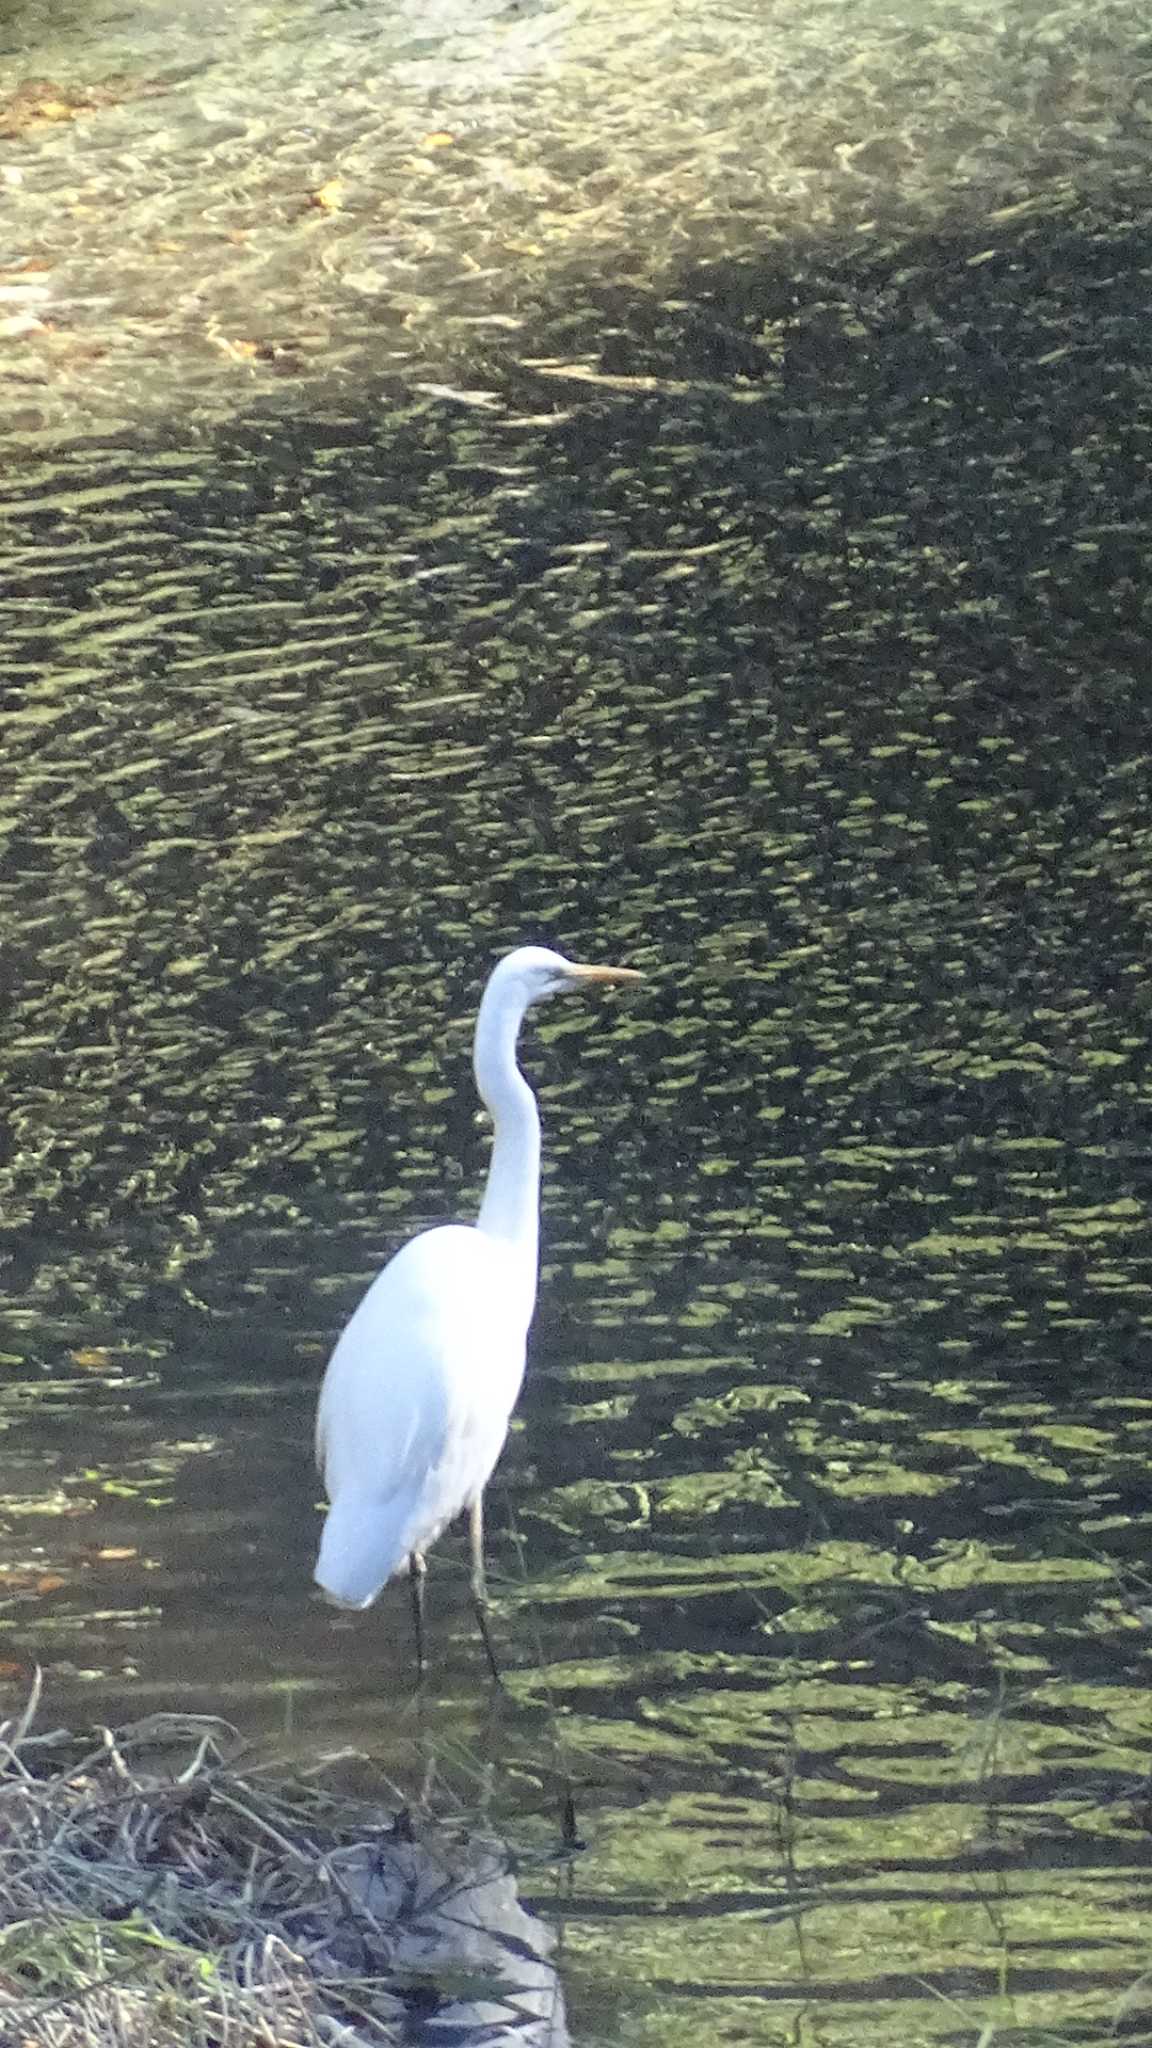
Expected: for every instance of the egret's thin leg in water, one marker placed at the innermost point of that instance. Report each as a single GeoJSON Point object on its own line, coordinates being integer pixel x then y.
{"type": "Point", "coordinates": [480, 1583]}
{"type": "Point", "coordinates": [416, 1571]}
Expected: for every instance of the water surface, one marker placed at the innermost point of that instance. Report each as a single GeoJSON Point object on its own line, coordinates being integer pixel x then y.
{"type": "Point", "coordinates": [775, 621]}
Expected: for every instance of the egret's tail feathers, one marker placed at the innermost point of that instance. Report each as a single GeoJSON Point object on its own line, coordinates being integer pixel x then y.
{"type": "Point", "coordinates": [359, 1551]}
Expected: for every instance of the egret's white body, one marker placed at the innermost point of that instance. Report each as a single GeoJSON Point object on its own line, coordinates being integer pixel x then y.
{"type": "Point", "coordinates": [419, 1391]}
{"type": "Point", "coordinates": [415, 1405]}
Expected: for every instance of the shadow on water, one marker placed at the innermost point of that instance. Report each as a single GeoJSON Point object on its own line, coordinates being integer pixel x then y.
{"type": "Point", "coordinates": [782, 632]}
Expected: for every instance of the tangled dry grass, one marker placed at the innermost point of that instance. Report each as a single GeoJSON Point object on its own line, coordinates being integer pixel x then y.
{"type": "Point", "coordinates": [155, 1895]}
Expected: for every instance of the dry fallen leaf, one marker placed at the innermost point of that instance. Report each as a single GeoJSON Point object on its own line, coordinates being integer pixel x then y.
{"type": "Point", "coordinates": [50, 1583]}
{"type": "Point", "coordinates": [114, 1552]}
{"type": "Point", "coordinates": [239, 350]}
{"type": "Point", "coordinates": [93, 1356]}
{"type": "Point", "coordinates": [328, 197]}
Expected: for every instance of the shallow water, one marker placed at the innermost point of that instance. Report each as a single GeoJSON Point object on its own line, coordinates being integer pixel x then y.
{"type": "Point", "coordinates": [777, 624]}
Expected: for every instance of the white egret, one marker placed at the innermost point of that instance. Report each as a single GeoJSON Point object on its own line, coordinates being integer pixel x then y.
{"type": "Point", "coordinates": [420, 1388]}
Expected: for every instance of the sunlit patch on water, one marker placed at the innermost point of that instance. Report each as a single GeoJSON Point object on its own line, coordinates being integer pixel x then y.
{"type": "Point", "coordinates": [222, 206]}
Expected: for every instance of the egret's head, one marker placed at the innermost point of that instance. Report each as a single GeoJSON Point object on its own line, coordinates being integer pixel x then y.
{"type": "Point", "coordinates": [536, 972]}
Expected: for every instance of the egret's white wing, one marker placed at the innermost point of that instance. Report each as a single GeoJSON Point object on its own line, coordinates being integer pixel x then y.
{"type": "Point", "coordinates": [415, 1403]}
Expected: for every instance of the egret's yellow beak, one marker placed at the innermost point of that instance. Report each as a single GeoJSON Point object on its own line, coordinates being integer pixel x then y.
{"type": "Point", "coordinates": [582, 973]}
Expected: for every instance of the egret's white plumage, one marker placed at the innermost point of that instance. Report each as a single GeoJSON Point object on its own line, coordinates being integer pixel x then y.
{"type": "Point", "coordinates": [418, 1393]}
{"type": "Point", "coordinates": [415, 1405]}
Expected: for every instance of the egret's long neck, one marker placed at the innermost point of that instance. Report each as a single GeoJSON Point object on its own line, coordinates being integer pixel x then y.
{"type": "Point", "coordinates": [511, 1206]}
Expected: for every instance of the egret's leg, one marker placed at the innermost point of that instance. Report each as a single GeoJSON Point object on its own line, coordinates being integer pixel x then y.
{"type": "Point", "coordinates": [480, 1583]}
{"type": "Point", "coordinates": [416, 1571]}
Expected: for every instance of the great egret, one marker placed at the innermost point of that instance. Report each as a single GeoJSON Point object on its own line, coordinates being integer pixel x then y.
{"type": "Point", "coordinates": [417, 1397]}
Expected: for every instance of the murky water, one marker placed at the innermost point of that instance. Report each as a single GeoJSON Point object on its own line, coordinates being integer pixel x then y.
{"type": "Point", "coordinates": [778, 625]}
